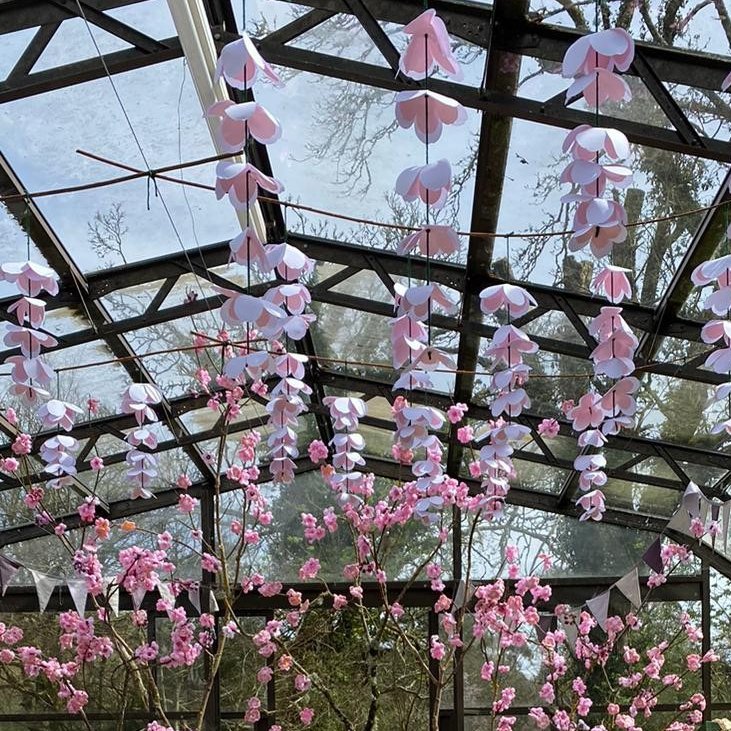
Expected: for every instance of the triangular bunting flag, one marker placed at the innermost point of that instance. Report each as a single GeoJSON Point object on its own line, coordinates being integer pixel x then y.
{"type": "Point", "coordinates": [715, 508]}
{"type": "Point", "coordinates": [44, 588]}
{"type": "Point", "coordinates": [546, 622]}
{"type": "Point", "coordinates": [705, 509]}
{"type": "Point", "coordinates": [653, 556]}
{"type": "Point", "coordinates": [599, 607]}
{"type": "Point", "coordinates": [79, 590]}
{"type": "Point", "coordinates": [213, 606]}
{"type": "Point", "coordinates": [725, 514]}
{"type": "Point", "coordinates": [137, 596]}
{"type": "Point", "coordinates": [194, 595]}
{"type": "Point", "coordinates": [111, 591]}
{"type": "Point", "coordinates": [8, 569]}
{"type": "Point", "coordinates": [691, 500]}
{"type": "Point", "coordinates": [680, 521]}
{"type": "Point", "coordinates": [629, 585]}
{"type": "Point", "coordinates": [166, 592]}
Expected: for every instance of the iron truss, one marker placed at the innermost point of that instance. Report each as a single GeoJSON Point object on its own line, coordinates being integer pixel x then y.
{"type": "Point", "coordinates": [505, 28]}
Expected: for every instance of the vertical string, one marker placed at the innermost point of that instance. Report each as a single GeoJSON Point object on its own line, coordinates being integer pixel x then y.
{"type": "Point", "coordinates": [426, 158]}
{"type": "Point", "coordinates": [26, 225]}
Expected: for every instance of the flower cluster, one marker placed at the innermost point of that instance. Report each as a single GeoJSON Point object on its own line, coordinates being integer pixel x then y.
{"type": "Point", "coordinates": [138, 400]}
{"type": "Point", "coordinates": [509, 345]}
{"type": "Point", "coordinates": [30, 373]}
{"type": "Point", "coordinates": [281, 310]}
{"type": "Point", "coordinates": [597, 153]}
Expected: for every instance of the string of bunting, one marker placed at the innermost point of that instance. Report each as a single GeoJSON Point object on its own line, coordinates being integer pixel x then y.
{"type": "Point", "coordinates": [45, 584]}
{"type": "Point", "coordinates": [693, 505]}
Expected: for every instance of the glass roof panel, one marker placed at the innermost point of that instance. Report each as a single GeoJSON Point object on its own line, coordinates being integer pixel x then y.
{"type": "Point", "coordinates": [356, 171]}
{"type": "Point", "coordinates": [71, 42]}
{"type": "Point", "coordinates": [165, 113]}
{"type": "Point", "coordinates": [665, 183]}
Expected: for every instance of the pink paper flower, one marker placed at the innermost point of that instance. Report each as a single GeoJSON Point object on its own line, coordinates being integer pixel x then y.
{"type": "Point", "coordinates": [587, 413]}
{"type": "Point", "coordinates": [242, 182]}
{"type": "Point", "coordinates": [415, 301]}
{"type": "Point", "coordinates": [428, 112]}
{"type": "Point", "coordinates": [30, 369]}
{"type": "Point", "coordinates": [431, 241]}
{"type": "Point", "coordinates": [59, 414]}
{"type": "Point", "coordinates": [585, 143]}
{"type": "Point", "coordinates": [509, 344]}
{"type": "Point", "coordinates": [29, 341]}
{"type": "Point", "coordinates": [289, 261]}
{"type": "Point", "coordinates": [30, 309]}
{"type": "Point", "coordinates": [429, 183]}
{"type": "Point", "coordinates": [456, 413]}
{"type": "Point", "coordinates": [240, 308]}
{"type": "Point", "coordinates": [345, 411]}
{"type": "Point", "coordinates": [607, 49]}
{"type": "Point", "coordinates": [612, 282]}
{"type": "Point", "coordinates": [514, 299]}
{"type": "Point", "coordinates": [294, 296]}
{"type": "Point", "coordinates": [549, 428]}
{"type": "Point", "coordinates": [600, 86]}
{"type": "Point", "coordinates": [428, 47]}
{"type": "Point", "coordinates": [619, 399]}
{"type": "Point", "coordinates": [306, 716]}
{"type": "Point", "coordinates": [598, 222]}
{"type": "Point", "coordinates": [240, 64]}
{"type": "Point", "coordinates": [593, 177]}
{"type": "Point", "coordinates": [238, 120]}
{"type": "Point", "coordinates": [30, 277]}
{"type": "Point", "coordinates": [247, 249]}
{"type": "Point", "coordinates": [138, 399]}
{"type": "Point", "coordinates": [592, 504]}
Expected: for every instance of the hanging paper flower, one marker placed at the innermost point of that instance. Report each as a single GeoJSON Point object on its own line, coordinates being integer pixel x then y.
{"type": "Point", "coordinates": [586, 142]}
{"type": "Point", "coordinates": [598, 222]}
{"type": "Point", "coordinates": [612, 282]}
{"type": "Point", "coordinates": [59, 414]}
{"type": "Point", "coordinates": [431, 241]}
{"type": "Point", "coordinates": [516, 300]}
{"type": "Point", "coordinates": [429, 183]}
{"type": "Point", "coordinates": [240, 120]}
{"type": "Point", "coordinates": [606, 49]}
{"type": "Point", "coordinates": [241, 64]}
{"type": "Point", "coordinates": [428, 113]}
{"type": "Point", "coordinates": [242, 181]}
{"type": "Point", "coordinates": [30, 277]}
{"type": "Point", "coordinates": [429, 47]}
{"type": "Point", "coordinates": [247, 249]}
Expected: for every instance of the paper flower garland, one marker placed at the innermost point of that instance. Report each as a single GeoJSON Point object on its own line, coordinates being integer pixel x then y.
{"type": "Point", "coordinates": [509, 345]}
{"type": "Point", "coordinates": [599, 223]}
{"type": "Point", "coordinates": [138, 400]}
{"type": "Point", "coordinates": [30, 374]}
{"type": "Point", "coordinates": [280, 312]}
{"type": "Point", "coordinates": [346, 479]}
{"type": "Point", "coordinates": [427, 113]}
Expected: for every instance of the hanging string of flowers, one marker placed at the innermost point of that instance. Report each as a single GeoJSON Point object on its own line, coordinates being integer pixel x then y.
{"type": "Point", "coordinates": [600, 222]}
{"type": "Point", "coordinates": [280, 312]}
{"type": "Point", "coordinates": [414, 354]}
{"type": "Point", "coordinates": [509, 345]}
